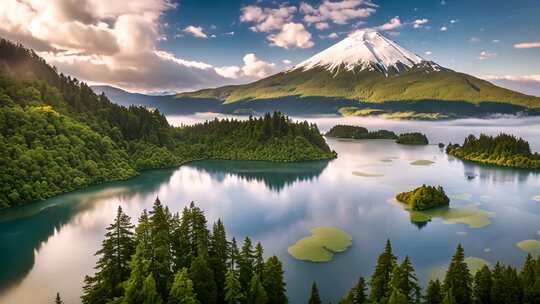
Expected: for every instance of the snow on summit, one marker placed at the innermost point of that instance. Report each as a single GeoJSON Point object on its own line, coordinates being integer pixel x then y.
{"type": "Point", "coordinates": [363, 50]}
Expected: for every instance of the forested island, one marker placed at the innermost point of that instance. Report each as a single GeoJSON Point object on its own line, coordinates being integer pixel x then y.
{"type": "Point", "coordinates": [57, 135]}
{"type": "Point", "coordinates": [414, 138]}
{"type": "Point", "coordinates": [502, 150]}
{"type": "Point", "coordinates": [176, 258]}
{"type": "Point", "coordinates": [355, 132]}
{"type": "Point", "coordinates": [424, 197]}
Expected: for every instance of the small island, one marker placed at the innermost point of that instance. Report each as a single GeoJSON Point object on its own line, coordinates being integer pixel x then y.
{"type": "Point", "coordinates": [424, 197]}
{"type": "Point", "coordinates": [355, 132]}
{"type": "Point", "coordinates": [414, 138]}
{"type": "Point", "coordinates": [502, 150]}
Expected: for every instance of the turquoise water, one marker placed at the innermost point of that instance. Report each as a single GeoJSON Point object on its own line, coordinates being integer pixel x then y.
{"type": "Point", "coordinates": [48, 246]}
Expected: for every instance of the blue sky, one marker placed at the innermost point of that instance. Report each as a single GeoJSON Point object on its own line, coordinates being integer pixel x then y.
{"type": "Point", "coordinates": [179, 45]}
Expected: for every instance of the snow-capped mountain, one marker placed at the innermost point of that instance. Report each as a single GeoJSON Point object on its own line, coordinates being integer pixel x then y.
{"type": "Point", "coordinates": [363, 50]}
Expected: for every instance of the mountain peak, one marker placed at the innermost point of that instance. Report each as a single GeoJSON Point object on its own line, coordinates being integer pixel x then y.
{"type": "Point", "coordinates": [363, 50]}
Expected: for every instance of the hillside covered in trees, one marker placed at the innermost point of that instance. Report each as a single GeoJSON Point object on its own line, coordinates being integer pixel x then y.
{"type": "Point", "coordinates": [355, 132]}
{"type": "Point", "coordinates": [502, 150]}
{"type": "Point", "coordinates": [57, 135]}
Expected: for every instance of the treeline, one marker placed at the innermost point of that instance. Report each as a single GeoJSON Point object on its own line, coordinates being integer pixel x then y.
{"type": "Point", "coordinates": [57, 135]}
{"type": "Point", "coordinates": [424, 197]}
{"type": "Point", "coordinates": [414, 138]}
{"type": "Point", "coordinates": [394, 282]}
{"type": "Point", "coordinates": [175, 258]}
{"type": "Point", "coordinates": [502, 150]}
{"type": "Point", "coordinates": [355, 132]}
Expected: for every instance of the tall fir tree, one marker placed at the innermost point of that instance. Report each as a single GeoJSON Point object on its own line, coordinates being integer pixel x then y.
{"type": "Point", "coordinates": [149, 292]}
{"type": "Point", "coordinates": [482, 286]}
{"type": "Point", "coordinates": [180, 244]}
{"type": "Point", "coordinates": [218, 254]}
{"type": "Point", "coordinates": [203, 280]}
{"type": "Point", "coordinates": [182, 289]}
{"type": "Point", "coordinates": [357, 294]}
{"type": "Point", "coordinates": [458, 278]}
{"type": "Point", "coordinates": [498, 288]}
{"type": "Point", "coordinates": [380, 280]}
{"type": "Point", "coordinates": [234, 256]}
{"type": "Point", "coordinates": [397, 297]}
{"type": "Point", "coordinates": [314, 297]}
{"type": "Point", "coordinates": [233, 289]}
{"type": "Point", "coordinates": [139, 271]}
{"type": "Point", "coordinates": [514, 289]}
{"type": "Point", "coordinates": [449, 297]}
{"type": "Point", "coordinates": [199, 230]}
{"type": "Point", "coordinates": [246, 262]}
{"type": "Point", "coordinates": [258, 262]}
{"type": "Point", "coordinates": [161, 262]}
{"type": "Point", "coordinates": [143, 237]}
{"type": "Point", "coordinates": [274, 282]}
{"type": "Point", "coordinates": [112, 268]}
{"type": "Point", "coordinates": [528, 279]}
{"type": "Point", "coordinates": [433, 292]}
{"type": "Point", "coordinates": [404, 279]}
{"type": "Point", "coordinates": [256, 294]}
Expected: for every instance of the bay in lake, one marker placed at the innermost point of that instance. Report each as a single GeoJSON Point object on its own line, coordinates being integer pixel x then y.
{"type": "Point", "coordinates": [48, 246]}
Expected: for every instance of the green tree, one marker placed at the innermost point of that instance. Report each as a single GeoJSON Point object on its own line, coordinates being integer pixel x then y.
{"type": "Point", "coordinates": [149, 292]}
{"type": "Point", "coordinates": [404, 279]}
{"type": "Point", "coordinates": [203, 280]}
{"type": "Point", "coordinates": [218, 253]}
{"type": "Point", "coordinates": [498, 288]}
{"type": "Point", "coordinates": [514, 289]}
{"type": "Point", "coordinates": [161, 262]}
{"type": "Point", "coordinates": [139, 272]}
{"type": "Point", "coordinates": [482, 286]}
{"type": "Point", "coordinates": [233, 289]}
{"type": "Point", "coordinates": [357, 294]}
{"type": "Point", "coordinates": [273, 281]}
{"type": "Point", "coordinates": [380, 280]}
{"type": "Point", "coordinates": [397, 297]}
{"type": "Point", "coordinates": [314, 297]}
{"type": "Point", "coordinates": [433, 292]}
{"type": "Point", "coordinates": [182, 289]}
{"type": "Point", "coordinates": [234, 256]}
{"type": "Point", "coordinates": [256, 294]}
{"type": "Point", "coordinates": [258, 266]}
{"type": "Point", "coordinates": [528, 279]}
{"type": "Point", "coordinates": [245, 263]}
{"type": "Point", "coordinates": [458, 278]}
{"type": "Point", "coordinates": [449, 297]}
{"type": "Point", "coordinates": [112, 268]}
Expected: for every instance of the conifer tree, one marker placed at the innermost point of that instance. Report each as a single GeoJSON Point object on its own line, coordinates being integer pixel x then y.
{"type": "Point", "coordinates": [258, 266]}
{"type": "Point", "coordinates": [199, 230]}
{"type": "Point", "coordinates": [161, 262]}
{"type": "Point", "coordinates": [182, 289]}
{"type": "Point", "coordinates": [458, 278]}
{"type": "Point", "coordinates": [218, 257]}
{"type": "Point", "coordinates": [433, 292]}
{"type": "Point", "coordinates": [498, 288]}
{"type": "Point", "coordinates": [514, 289]}
{"type": "Point", "coordinates": [58, 300]}
{"type": "Point", "coordinates": [528, 279]}
{"type": "Point", "coordinates": [449, 297]}
{"type": "Point", "coordinates": [233, 289]}
{"type": "Point", "coordinates": [112, 268]}
{"type": "Point", "coordinates": [404, 279]}
{"type": "Point", "coordinates": [397, 297]}
{"type": "Point", "coordinates": [482, 286]}
{"type": "Point", "coordinates": [143, 237]}
{"type": "Point", "coordinates": [357, 294]}
{"type": "Point", "coordinates": [139, 272]}
{"type": "Point", "coordinates": [203, 280]}
{"type": "Point", "coordinates": [273, 281]}
{"type": "Point", "coordinates": [314, 297]}
{"type": "Point", "coordinates": [181, 246]}
{"type": "Point", "coordinates": [380, 280]}
{"type": "Point", "coordinates": [256, 294]}
{"type": "Point", "coordinates": [234, 256]}
{"type": "Point", "coordinates": [149, 292]}
{"type": "Point", "coordinates": [246, 265]}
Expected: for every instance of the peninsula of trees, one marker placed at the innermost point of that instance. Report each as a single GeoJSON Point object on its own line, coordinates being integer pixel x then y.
{"type": "Point", "coordinates": [415, 138]}
{"type": "Point", "coordinates": [502, 150]}
{"type": "Point", "coordinates": [355, 132]}
{"type": "Point", "coordinates": [424, 197]}
{"type": "Point", "coordinates": [57, 135]}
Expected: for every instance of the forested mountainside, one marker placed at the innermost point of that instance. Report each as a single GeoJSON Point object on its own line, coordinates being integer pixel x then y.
{"type": "Point", "coordinates": [57, 135]}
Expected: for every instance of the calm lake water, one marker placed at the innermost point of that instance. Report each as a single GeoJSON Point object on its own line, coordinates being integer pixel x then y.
{"type": "Point", "coordinates": [48, 246]}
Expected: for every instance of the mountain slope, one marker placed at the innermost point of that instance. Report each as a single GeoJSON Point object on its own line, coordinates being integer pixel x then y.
{"type": "Point", "coordinates": [368, 67]}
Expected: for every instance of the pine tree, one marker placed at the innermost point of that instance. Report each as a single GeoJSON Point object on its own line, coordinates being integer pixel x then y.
{"type": "Point", "coordinates": [182, 289]}
{"type": "Point", "coordinates": [273, 281]}
{"type": "Point", "coordinates": [528, 279]}
{"type": "Point", "coordinates": [139, 272]}
{"type": "Point", "coordinates": [449, 297]}
{"type": "Point", "coordinates": [458, 278]}
{"type": "Point", "coordinates": [357, 294]}
{"type": "Point", "coordinates": [397, 297]}
{"type": "Point", "coordinates": [218, 257]}
{"type": "Point", "coordinates": [161, 263]}
{"type": "Point", "coordinates": [180, 244]}
{"type": "Point", "coordinates": [514, 289]}
{"type": "Point", "coordinates": [199, 231]}
{"type": "Point", "coordinates": [256, 294]}
{"type": "Point", "coordinates": [233, 289]}
{"type": "Point", "coordinates": [482, 286]}
{"type": "Point", "coordinates": [143, 236]}
{"type": "Point", "coordinates": [234, 256]}
{"type": "Point", "coordinates": [433, 293]}
{"type": "Point", "coordinates": [498, 288]}
{"type": "Point", "coordinates": [404, 280]}
{"type": "Point", "coordinates": [58, 300]}
{"type": "Point", "coordinates": [380, 280]}
{"type": "Point", "coordinates": [149, 292]}
{"type": "Point", "coordinates": [112, 268]}
{"type": "Point", "coordinates": [203, 280]}
{"type": "Point", "coordinates": [314, 297]}
{"type": "Point", "coordinates": [258, 266]}
{"type": "Point", "coordinates": [246, 265]}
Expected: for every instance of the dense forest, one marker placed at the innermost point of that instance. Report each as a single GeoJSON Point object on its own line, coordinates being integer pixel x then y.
{"type": "Point", "coordinates": [355, 132]}
{"type": "Point", "coordinates": [502, 150]}
{"type": "Point", "coordinates": [424, 197]}
{"type": "Point", "coordinates": [414, 138]}
{"type": "Point", "coordinates": [57, 135]}
{"type": "Point", "coordinates": [175, 258]}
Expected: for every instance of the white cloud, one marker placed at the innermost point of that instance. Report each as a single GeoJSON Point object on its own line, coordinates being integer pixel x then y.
{"type": "Point", "coordinates": [253, 68]}
{"type": "Point", "coordinates": [484, 55]}
{"type": "Point", "coordinates": [286, 61]}
{"type": "Point", "coordinates": [495, 41]}
{"type": "Point", "coordinates": [195, 31]}
{"type": "Point", "coordinates": [393, 24]}
{"type": "Point", "coordinates": [292, 35]}
{"type": "Point", "coordinates": [527, 45]}
{"type": "Point", "coordinates": [322, 26]}
{"type": "Point", "coordinates": [267, 19]}
{"type": "Point", "coordinates": [474, 40]}
{"type": "Point", "coordinates": [527, 84]}
{"type": "Point", "coordinates": [444, 28]}
{"type": "Point", "coordinates": [428, 53]}
{"type": "Point", "coordinates": [231, 33]}
{"type": "Point", "coordinates": [418, 23]}
{"type": "Point", "coordinates": [107, 42]}
{"type": "Point", "coordinates": [339, 12]}
{"type": "Point", "coordinates": [454, 21]}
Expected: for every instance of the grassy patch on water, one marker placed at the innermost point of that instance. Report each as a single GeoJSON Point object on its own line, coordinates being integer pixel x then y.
{"type": "Point", "coordinates": [366, 174]}
{"type": "Point", "coordinates": [422, 162]}
{"type": "Point", "coordinates": [530, 246]}
{"type": "Point", "coordinates": [321, 245]}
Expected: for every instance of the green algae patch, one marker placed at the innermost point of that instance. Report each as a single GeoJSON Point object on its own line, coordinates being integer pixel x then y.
{"type": "Point", "coordinates": [530, 246]}
{"type": "Point", "coordinates": [321, 245]}
{"type": "Point", "coordinates": [473, 263]}
{"type": "Point", "coordinates": [422, 162]}
{"type": "Point", "coordinates": [536, 198]}
{"type": "Point", "coordinates": [389, 159]}
{"type": "Point", "coordinates": [366, 174]}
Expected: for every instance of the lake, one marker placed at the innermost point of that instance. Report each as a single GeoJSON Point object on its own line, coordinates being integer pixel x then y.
{"type": "Point", "coordinates": [48, 246]}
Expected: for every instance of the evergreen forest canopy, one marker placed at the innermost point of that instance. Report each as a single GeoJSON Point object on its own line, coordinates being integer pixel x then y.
{"type": "Point", "coordinates": [414, 138]}
{"type": "Point", "coordinates": [502, 150]}
{"type": "Point", "coordinates": [175, 258]}
{"type": "Point", "coordinates": [57, 135]}
{"type": "Point", "coordinates": [424, 197]}
{"type": "Point", "coordinates": [355, 132]}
